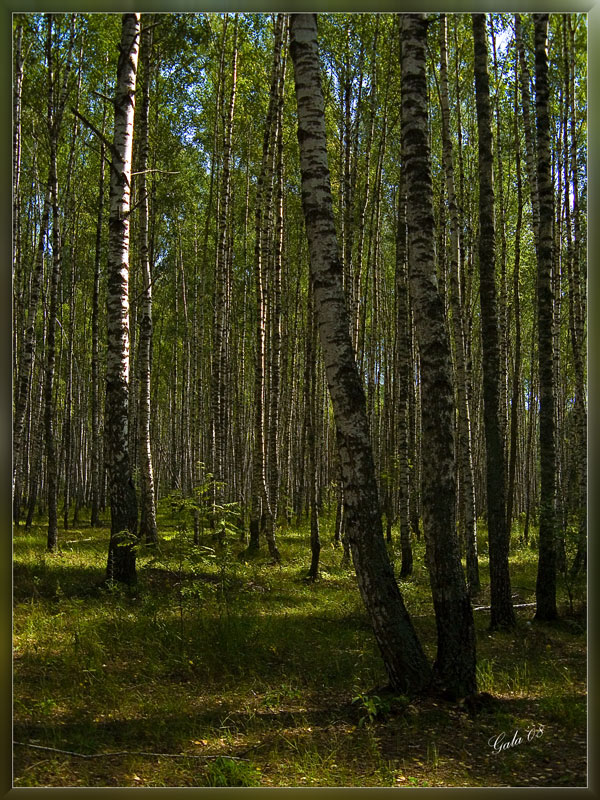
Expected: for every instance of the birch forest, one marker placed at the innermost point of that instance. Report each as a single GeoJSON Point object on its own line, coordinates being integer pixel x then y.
{"type": "Point", "coordinates": [299, 465]}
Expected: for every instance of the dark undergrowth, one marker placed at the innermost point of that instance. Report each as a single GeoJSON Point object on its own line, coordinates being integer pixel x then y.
{"type": "Point", "coordinates": [219, 670]}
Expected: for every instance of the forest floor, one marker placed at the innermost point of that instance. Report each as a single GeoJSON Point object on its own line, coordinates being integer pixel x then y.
{"type": "Point", "coordinates": [219, 671]}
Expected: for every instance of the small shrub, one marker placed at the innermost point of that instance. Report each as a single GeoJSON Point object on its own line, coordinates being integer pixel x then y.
{"type": "Point", "coordinates": [370, 707]}
{"type": "Point", "coordinates": [226, 772]}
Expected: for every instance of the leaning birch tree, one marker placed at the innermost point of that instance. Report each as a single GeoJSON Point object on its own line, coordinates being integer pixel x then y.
{"type": "Point", "coordinates": [403, 656]}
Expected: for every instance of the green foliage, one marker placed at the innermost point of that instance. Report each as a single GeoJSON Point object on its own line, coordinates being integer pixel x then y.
{"type": "Point", "coordinates": [370, 707]}
{"type": "Point", "coordinates": [204, 508]}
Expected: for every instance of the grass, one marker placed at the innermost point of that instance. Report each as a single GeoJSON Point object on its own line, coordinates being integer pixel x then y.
{"type": "Point", "coordinates": [253, 676]}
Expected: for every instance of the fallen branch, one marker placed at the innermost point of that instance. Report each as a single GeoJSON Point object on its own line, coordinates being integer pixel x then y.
{"type": "Point", "coordinates": [126, 753]}
{"type": "Point", "coordinates": [516, 605]}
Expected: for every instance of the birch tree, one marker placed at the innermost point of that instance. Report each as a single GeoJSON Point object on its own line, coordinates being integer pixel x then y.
{"type": "Point", "coordinates": [97, 470]}
{"type": "Point", "coordinates": [454, 668]}
{"type": "Point", "coordinates": [259, 508]}
{"type": "Point", "coordinates": [403, 379]}
{"type": "Point", "coordinates": [528, 124]}
{"type": "Point", "coordinates": [577, 293]}
{"type": "Point", "coordinates": [464, 448]}
{"type": "Point", "coordinates": [502, 614]}
{"type": "Point", "coordinates": [123, 502]}
{"type": "Point", "coordinates": [546, 576]}
{"type": "Point", "coordinates": [222, 279]}
{"type": "Point", "coordinates": [148, 528]}
{"type": "Point", "coordinates": [272, 450]}
{"type": "Point", "coordinates": [516, 387]}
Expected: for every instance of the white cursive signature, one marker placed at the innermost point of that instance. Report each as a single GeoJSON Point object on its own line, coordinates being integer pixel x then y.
{"type": "Point", "coordinates": [502, 742]}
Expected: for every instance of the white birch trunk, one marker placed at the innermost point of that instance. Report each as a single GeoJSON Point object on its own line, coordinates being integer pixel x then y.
{"type": "Point", "coordinates": [123, 502]}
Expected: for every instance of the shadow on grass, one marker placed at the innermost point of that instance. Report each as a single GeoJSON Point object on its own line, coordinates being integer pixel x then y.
{"type": "Point", "coordinates": [40, 581]}
{"type": "Point", "coordinates": [175, 732]}
{"type": "Point", "coordinates": [211, 650]}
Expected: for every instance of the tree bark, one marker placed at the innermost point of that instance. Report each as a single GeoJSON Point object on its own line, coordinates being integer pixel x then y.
{"type": "Point", "coordinates": [259, 495]}
{"type": "Point", "coordinates": [97, 464]}
{"type": "Point", "coordinates": [454, 668]}
{"type": "Point", "coordinates": [310, 380]}
{"type": "Point", "coordinates": [546, 576]}
{"type": "Point", "coordinates": [403, 378]}
{"type": "Point", "coordinates": [37, 455]}
{"type": "Point", "coordinates": [123, 502]}
{"type": "Point", "coordinates": [148, 529]}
